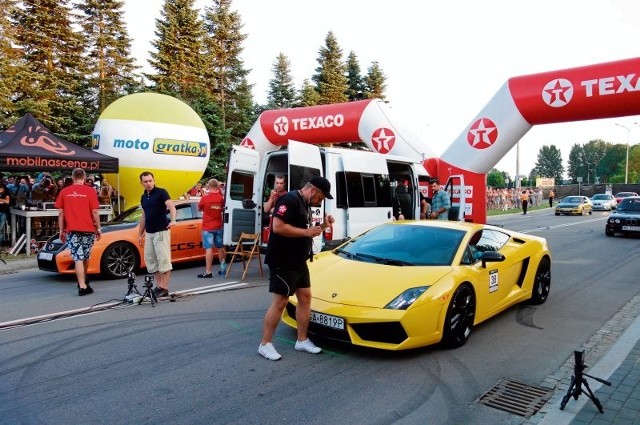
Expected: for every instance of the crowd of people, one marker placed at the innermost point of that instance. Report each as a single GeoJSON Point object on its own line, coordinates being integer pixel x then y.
{"type": "Point", "coordinates": [505, 199]}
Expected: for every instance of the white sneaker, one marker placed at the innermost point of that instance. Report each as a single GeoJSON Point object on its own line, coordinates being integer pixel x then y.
{"type": "Point", "coordinates": [307, 346]}
{"type": "Point", "coordinates": [268, 351]}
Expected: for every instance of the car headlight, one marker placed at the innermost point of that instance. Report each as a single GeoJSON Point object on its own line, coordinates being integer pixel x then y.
{"type": "Point", "coordinates": [408, 297]}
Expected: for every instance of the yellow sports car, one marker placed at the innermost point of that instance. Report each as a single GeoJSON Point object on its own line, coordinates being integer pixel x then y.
{"type": "Point", "coordinates": [408, 284]}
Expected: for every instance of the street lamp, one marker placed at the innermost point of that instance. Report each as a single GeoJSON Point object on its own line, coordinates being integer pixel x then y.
{"type": "Point", "coordinates": [626, 167]}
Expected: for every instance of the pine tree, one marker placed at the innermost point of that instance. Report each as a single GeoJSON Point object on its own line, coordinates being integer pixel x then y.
{"type": "Point", "coordinates": [9, 66]}
{"type": "Point", "coordinates": [330, 77]}
{"type": "Point", "coordinates": [111, 70]}
{"type": "Point", "coordinates": [308, 94]}
{"type": "Point", "coordinates": [178, 56]}
{"type": "Point", "coordinates": [356, 87]}
{"type": "Point", "coordinates": [282, 92]}
{"type": "Point", "coordinates": [375, 82]}
{"type": "Point", "coordinates": [549, 163]}
{"type": "Point", "coordinates": [226, 78]}
{"type": "Point", "coordinates": [52, 87]}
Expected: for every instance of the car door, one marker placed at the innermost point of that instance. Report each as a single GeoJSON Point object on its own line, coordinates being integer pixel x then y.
{"type": "Point", "coordinates": [186, 235]}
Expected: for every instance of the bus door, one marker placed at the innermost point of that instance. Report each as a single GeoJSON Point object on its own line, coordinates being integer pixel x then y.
{"type": "Point", "coordinates": [458, 194]}
{"type": "Point", "coordinates": [240, 211]}
{"type": "Point", "coordinates": [305, 162]}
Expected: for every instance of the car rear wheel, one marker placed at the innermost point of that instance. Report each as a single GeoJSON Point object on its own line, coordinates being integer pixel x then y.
{"type": "Point", "coordinates": [541, 282]}
{"type": "Point", "coordinates": [460, 316]}
{"type": "Point", "coordinates": [118, 259]}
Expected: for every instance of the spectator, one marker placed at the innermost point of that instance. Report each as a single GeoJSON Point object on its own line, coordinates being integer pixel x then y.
{"type": "Point", "coordinates": [551, 196]}
{"type": "Point", "coordinates": [524, 200]}
{"type": "Point", "coordinates": [155, 202]}
{"type": "Point", "coordinates": [440, 202]}
{"type": "Point", "coordinates": [212, 207]}
{"type": "Point", "coordinates": [79, 224]}
{"type": "Point", "coordinates": [5, 201]}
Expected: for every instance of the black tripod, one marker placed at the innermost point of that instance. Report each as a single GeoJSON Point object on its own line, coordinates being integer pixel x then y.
{"type": "Point", "coordinates": [133, 288]}
{"type": "Point", "coordinates": [575, 389]}
{"type": "Point", "coordinates": [148, 293]}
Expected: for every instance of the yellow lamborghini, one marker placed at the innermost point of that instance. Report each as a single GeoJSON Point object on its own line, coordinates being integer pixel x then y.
{"type": "Point", "coordinates": [408, 284]}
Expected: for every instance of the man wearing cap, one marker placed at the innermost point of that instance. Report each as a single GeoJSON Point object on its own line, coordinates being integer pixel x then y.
{"type": "Point", "coordinates": [288, 250]}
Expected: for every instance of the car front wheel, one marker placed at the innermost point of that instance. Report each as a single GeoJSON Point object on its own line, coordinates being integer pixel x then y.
{"type": "Point", "coordinates": [541, 282]}
{"type": "Point", "coordinates": [460, 317]}
{"type": "Point", "coordinates": [118, 260]}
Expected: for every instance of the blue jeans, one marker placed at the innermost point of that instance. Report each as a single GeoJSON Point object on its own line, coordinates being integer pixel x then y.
{"type": "Point", "coordinates": [3, 222]}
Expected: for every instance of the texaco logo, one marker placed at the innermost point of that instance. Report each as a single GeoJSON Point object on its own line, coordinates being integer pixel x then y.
{"type": "Point", "coordinates": [557, 93]}
{"type": "Point", "coordinates": [247, 143]}
{"type": "Point", "coordinates": [281, 126]}
{"type": "Point", "coordinates": [383, 140]}
{"type": "Point", "coordinates": [482, 134]}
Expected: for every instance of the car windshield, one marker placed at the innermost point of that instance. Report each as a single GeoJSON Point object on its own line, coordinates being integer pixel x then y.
{"type": "Point", "coordinates": [572, 200]}
{"type": "Point", "coordinates": [601, 197]}
{"type": "Point", "coordinates": [629, 205]}
{"type": "Point", "coordinates": [132, 215]}
{"type": "Point", "coordinates": [624, 194]}
{"type": "Point", "coordinates": [404, 245]}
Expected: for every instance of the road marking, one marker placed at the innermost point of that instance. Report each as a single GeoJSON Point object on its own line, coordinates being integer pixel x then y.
{"type": "Point", "coordinates": [539, 229]}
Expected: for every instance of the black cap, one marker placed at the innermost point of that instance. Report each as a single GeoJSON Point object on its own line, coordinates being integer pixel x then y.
{"type": "Point", "coordinates": [322, 184]}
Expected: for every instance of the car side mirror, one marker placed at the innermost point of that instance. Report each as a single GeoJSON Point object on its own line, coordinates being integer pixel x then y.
{"type": "Point", "coordinates": [491, 257]}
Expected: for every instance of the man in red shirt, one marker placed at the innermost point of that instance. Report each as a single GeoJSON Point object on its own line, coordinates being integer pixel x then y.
{"type": "Point", "coordinates": [79, 224]}
{"type": "Point", "coordinates": [212, 207]}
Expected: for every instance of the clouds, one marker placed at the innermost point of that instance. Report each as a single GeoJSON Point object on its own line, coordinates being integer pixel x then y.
{"type": "Point", "coordinates": [443, 64]}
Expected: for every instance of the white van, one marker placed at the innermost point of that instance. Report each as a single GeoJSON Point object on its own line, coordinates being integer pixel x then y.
{"type": "Point", "coordinates": [362, 183]}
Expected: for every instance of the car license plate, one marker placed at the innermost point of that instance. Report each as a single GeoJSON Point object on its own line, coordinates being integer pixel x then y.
{"type": "Point", "coordinates": [45, 256]}
{"type": "Point", "coordinates": [631, 228]}
{"type": "Point", "coordinates": [327, 320]}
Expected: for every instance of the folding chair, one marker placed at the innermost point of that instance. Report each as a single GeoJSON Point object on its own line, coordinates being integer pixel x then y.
{"type": "Point", "coordinates": [246, 249]}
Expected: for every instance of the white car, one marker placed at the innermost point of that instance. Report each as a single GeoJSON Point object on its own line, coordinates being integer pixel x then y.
{"type": "Point", "coordinates": [604, 201]}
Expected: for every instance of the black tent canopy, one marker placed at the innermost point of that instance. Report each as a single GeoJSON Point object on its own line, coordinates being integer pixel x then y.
{"type": "Point", "coordinates": [29, 146]}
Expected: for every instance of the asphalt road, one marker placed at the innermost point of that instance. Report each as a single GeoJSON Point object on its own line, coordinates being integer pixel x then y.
{"type": "Point", "coordinates": [195, 361]}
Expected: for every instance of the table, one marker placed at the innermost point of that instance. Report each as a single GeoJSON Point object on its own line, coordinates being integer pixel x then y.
{"type": "Point", "coordinates": [29, 214]}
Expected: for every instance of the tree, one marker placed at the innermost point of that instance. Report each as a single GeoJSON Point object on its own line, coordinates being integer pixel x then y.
{"type": "Point", "coordinates": [576, 161]}
{"type": "Point", "coordinates": [111, 70]}
{"type": "Point", "coordinates": [226, 80]}
{"type": "Point", "coordinates": [495, 178]}
{"type": "Point", "coordinates": [355, 82]}
{"type": "Point", "coordinates": [10, 65]}
{"type": "Point", "coordinates": [549, 164]}
{"type": "Point", "coordinates": [52, 85]}
{"type": "Point", "coordinates": [178, 59]}
{"type": "Point", "coordinates": [612, 164]}
{"type": "Point", "coordinates": [374, 82]}
{"type": "Point", "coordinates": [282, 91]}
{"type": "Point", "coordinates": [330, 76]}
{"type": "Point", "coordinates": [309, 96]}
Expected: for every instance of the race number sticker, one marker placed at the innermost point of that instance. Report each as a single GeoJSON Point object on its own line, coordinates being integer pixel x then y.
{"type": "Point", "coordinates": [493, 281]}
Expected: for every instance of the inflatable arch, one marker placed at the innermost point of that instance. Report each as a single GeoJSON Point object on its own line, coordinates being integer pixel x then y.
{"type": "Point", "coordinates": [590, 92]}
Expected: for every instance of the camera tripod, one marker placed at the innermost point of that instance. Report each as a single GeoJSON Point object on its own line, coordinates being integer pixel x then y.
{"type": "Point", "coordinates": [148, 293]}
{"type": "Point", "coordinates": [577, 380]}
{"type": "Point", "coordinates": [133, 288]}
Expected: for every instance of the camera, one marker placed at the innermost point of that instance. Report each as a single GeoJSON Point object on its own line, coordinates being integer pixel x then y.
{"type": "Point", "coordinates": [148, 278]}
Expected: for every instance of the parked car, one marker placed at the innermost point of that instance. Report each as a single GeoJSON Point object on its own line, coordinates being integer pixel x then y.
{"type": "Point", "coordinates": [621, 195]}
{"type": "Point", "coordinates": [407, 284]}
{"type": "Point", "coordinates": [578, 205]}
{"type": "Point", "coordinates": [626, 218]}
{"type": "Point", "coordinates": [604, 201]}
{"type": "Point", "coordinates": [118, 251]}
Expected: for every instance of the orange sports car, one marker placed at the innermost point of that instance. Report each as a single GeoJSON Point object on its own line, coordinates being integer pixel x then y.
{"type": "Point", "coordinates": [117, 252]}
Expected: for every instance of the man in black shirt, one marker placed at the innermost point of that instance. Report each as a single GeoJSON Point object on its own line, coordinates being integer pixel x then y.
{"type": "Point", "coordinates": [288, 250]}
{"type": "Point", "coordinates": [155, 202]}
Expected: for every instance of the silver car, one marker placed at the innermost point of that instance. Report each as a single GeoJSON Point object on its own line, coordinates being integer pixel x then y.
{"type": "Point", "coordinates": [604, 202]}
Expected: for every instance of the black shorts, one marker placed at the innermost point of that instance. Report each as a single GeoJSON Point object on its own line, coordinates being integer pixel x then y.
{"type": "Point", "coordinates": [286, 281]}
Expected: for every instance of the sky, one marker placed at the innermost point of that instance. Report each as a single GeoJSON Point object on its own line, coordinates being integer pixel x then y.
{"type": "Point", "coordinates": [443, 61]}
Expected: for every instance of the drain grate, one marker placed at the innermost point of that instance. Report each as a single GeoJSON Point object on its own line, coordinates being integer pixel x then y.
{"type": "Point", "coordinates": [515, 397]}
{"type": "Point", "coordinates": [3, 272]}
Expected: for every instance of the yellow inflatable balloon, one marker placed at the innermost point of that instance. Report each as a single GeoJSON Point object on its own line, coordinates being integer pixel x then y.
{"type": "Point", "coordinates": [157, 133]}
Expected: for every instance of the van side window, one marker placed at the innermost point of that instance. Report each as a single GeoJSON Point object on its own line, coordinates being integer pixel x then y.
{"type": "Point", "coordinates": [241, 186]}
{"type": "Point", "coordinates": [357, 190]}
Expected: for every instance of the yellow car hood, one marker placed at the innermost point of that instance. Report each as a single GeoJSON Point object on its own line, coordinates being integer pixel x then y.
{"type": "Point", "coordinates": [359, 283]}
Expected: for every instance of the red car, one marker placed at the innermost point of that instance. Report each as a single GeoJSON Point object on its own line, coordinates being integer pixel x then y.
{"type": "Point", "coordinates": [621, 195]}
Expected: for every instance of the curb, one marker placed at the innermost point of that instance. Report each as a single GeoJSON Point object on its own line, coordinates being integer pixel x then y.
{"type": "Point", "coordinates": [21, 264]}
